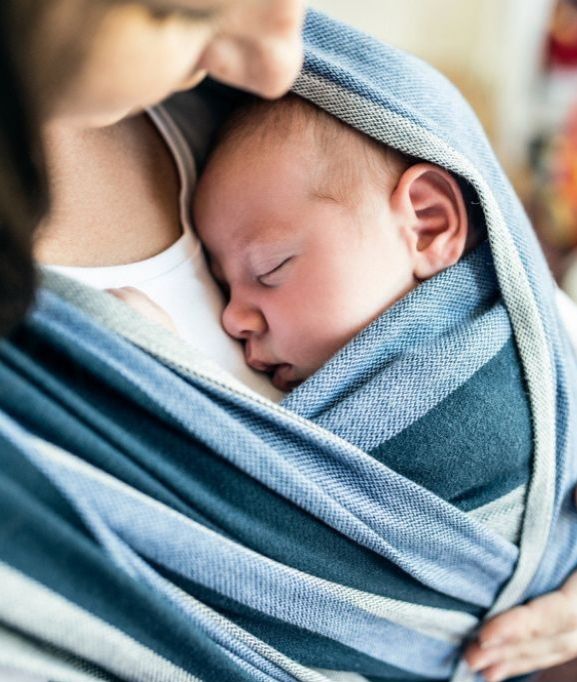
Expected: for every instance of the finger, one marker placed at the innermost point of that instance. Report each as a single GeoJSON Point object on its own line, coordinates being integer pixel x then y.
{"type": "Point", "coordinates": [129, 294]}
{"type": "Point", "coordinates": [513, 668]}
{"type": "Point", "coordinates": [474, 656]}
{"type": "Point", "coordinates": [144, 305]}
{"type": "Point", "coordinates": [569, 589]}
{"type": "Point", "coordinates": [527, 656]}
{"type": "Point", "coordinates": [549, 615]}
{"type": "Point", "coordinates": [117, 293]}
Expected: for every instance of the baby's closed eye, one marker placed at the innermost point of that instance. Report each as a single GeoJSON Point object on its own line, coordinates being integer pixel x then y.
{"type": "Point", "coordinates": [275, 275]}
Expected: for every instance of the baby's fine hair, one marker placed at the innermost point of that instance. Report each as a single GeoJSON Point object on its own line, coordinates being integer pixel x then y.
{"type": "Point", "coordinates": [350, 156]}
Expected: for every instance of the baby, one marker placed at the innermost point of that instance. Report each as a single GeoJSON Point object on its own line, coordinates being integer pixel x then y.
{"type": "Point", "coordinates": [314, 229]}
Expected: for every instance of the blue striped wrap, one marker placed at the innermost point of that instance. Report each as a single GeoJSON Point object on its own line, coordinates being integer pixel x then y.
{"type": "Point", "coordinates": [161, 522]}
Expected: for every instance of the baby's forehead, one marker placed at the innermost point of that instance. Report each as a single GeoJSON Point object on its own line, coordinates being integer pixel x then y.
{"type": "Point", "coordinates": [261, 122]}
{"type": "Point", "coordinates": [257, 227]}
{"type": "Point", "coordinates": [284, 153]}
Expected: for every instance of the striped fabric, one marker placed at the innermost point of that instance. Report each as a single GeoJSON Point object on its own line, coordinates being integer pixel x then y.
{"type": "Point", "coordinates": [161, 522]}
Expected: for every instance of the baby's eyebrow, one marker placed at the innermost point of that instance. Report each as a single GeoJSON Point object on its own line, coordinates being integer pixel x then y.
{"type": "Point", "coordinates": [263, 233]}
{"type": "Point", "coordinates": [265, 251]}
{"type": "Point", "coordinates": [326, 195]}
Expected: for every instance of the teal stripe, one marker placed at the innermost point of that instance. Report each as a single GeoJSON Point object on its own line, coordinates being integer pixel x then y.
{"type": "Point", "coordinates": [475, 446]}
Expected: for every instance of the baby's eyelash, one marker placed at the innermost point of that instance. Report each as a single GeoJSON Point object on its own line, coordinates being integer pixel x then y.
{"type": "Point", "coordinates": [260, 278]}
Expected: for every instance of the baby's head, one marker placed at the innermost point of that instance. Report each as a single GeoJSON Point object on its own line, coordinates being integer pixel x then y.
{"type": "Point", "coordinates": [315, 229]}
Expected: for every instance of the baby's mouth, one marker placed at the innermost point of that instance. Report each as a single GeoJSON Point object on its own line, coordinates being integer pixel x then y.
{"type": "Point", "coordinates": [282, 380]}
{"type": "Point", "coordinates": [278, 372]}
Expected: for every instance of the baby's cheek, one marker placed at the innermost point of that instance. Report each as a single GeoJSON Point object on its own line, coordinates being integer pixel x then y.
{"type": "Point", "coordinates": [339, 330]}
{"type": "Point", "coordinates": [312, 328]}
{"type": "Point", "coordinates": [316, 351]}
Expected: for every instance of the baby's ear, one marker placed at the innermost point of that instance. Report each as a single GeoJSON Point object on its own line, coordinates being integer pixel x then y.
{"type": "Point", "coordinates": [431, 208]}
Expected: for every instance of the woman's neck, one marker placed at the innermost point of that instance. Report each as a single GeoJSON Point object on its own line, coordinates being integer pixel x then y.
{"type": "Point", "coordinates": [114, 195]}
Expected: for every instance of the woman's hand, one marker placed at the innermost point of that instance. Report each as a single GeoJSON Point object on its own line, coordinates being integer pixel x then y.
{"type": "Point", "coordinates": [535, 636]}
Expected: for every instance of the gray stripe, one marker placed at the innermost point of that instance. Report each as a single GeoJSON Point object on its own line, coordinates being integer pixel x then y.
{"type": "Point", "coordinates": [441, 624]}
{"type": "Point", "coordinates": [118, 317]}
{"type": "Point", "coordinates": [52, 618]}
{"type": "Point", "coordinates": [40, 662]}
{"type": "Point", "coordinates": [504, 515]}
{"type": "Point", "coordinates": [337, 676]}
{"type": "Point", "coordinates": [390, 128]}
{"type": "Point", "coordinates": [171, 350]}
{"type": "Point", "coordinates": [31, 607]}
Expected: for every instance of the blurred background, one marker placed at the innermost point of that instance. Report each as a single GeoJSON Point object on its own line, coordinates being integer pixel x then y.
{"type": "Point", "coordinates": [516, 62]}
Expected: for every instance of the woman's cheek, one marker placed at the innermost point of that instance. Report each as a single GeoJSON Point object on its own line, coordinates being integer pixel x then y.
{"type": "Point", "coordinates": [150, 60]}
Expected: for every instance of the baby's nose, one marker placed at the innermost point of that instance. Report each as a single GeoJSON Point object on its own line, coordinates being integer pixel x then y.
{"type": "Point", "coordinates": [242, 321]}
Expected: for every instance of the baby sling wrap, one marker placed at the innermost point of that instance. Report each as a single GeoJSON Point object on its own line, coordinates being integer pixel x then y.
{"type": "Point", "coordinates": [160, 522]}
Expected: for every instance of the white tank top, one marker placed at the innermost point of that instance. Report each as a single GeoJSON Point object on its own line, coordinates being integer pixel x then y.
{"type": "Point", "coordinates": [178, 279]}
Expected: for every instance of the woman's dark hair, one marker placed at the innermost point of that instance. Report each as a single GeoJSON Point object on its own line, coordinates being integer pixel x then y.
{"type": "Point", "coordinates": [23, 194]}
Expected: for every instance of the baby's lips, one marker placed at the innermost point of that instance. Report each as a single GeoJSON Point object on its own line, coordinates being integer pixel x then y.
{"type": "Point", "coordinates": [260, 366]}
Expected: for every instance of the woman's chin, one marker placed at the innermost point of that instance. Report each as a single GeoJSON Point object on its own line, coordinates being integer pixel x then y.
{"type": "Point", "coordinates": [89, 121]}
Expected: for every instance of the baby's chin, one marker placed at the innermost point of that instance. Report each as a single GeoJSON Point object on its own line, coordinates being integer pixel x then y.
{"type": "Point", "coordinates": [286, 377]}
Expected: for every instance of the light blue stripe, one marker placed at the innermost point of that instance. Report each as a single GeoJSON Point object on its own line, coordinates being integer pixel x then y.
{"type": "Point", "coordinates": [337, 483]}
{"type": "Point", "coordinates": [134, 528]}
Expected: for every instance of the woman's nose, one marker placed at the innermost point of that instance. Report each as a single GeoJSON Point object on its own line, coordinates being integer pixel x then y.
{"type": "Point", "coordinates": [242, 321]}
{"type": "Point", "coordinates": [261, 51]}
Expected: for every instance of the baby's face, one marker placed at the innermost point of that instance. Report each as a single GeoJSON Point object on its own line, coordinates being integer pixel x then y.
{"type": "Point", "coordinates": [303, 272]}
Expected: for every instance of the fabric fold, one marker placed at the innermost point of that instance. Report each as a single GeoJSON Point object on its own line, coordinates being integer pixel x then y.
{"type": "Point", "coordinates": [154, 507]}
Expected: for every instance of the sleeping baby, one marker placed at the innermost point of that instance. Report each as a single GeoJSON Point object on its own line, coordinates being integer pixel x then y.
{"type": "Point", "coordinates": [313, 229]}
{"type": "Point", "coordinates": [360, 280]}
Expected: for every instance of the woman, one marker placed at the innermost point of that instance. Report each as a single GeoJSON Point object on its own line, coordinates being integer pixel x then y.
{"type": "Point", "coordinates": [67, 75]}
{"type": "Point", "coordinates": [239, 45]}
